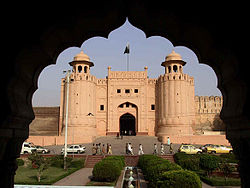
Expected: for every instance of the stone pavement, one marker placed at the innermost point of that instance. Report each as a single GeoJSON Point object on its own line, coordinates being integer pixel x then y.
{"type": "Point", "coordinates": [80, 177]}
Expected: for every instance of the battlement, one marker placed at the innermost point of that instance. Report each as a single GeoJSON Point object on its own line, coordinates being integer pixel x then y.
{"type": "Point", "coordinates": [208, 104]}
{"type": "Point", "coordinates": [101, 81]}
{"type": "Point", "coordinates": [127, 74]}
{"type": "Point", "coordinates": [176, 76]}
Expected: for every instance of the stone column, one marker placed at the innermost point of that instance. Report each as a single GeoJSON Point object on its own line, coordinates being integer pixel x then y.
{"type": "Point", "coordinates": [11, 143]}
{"type": "Point", "coordinates": [238, 133]}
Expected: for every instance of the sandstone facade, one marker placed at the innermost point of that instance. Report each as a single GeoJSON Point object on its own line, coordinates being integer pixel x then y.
{"type": "Point", "coordinates": [130, 103]}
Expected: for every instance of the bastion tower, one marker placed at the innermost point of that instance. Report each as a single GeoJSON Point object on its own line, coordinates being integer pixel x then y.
{"type": "Point", "coordinates": [82, 100]}
{"type": "Point", "coordinates": [176, 113]}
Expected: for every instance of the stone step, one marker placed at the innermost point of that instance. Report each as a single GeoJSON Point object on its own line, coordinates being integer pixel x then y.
{"type": "Point", "coordinates": [91, 160]}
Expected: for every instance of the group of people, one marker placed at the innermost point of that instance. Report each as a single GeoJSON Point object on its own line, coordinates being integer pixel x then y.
{"type": "Point", "coordinates": [97, 149]}
{"type": "Point", "coordinates": [162, 149]}
{"type": "Point", "coordinates": [129, 149]}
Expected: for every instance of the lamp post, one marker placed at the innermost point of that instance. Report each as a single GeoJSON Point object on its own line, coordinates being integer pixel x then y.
{"type": "Point", "coordinates": [66, 117]}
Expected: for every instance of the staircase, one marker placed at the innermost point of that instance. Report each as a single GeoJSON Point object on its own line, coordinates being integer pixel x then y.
{"type": "Point", "coordinates": [169, 157]}
{"type": "Point", "coordinates": [91, 160]}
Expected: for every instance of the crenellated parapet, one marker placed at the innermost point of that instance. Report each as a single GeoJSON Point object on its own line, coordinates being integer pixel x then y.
{"type": "Point", "coordinates": [208, 104]}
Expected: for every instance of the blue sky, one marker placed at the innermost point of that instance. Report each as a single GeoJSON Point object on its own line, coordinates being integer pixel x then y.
{"type": "Point", "coordinates": [105, 52]}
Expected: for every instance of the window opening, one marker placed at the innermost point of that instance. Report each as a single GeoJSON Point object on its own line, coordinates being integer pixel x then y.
{"type": "Point", "coordinates": [80, 69]}
{"type": "Point", "coordinates": [85, 69]}
{"type": "Point", "coordinates": [175, 68]}
{"type": "Point", "coordinates": [102, 107]}
{"type": "Point", "coordinates": [127, 91]}
{"type": "Point", "coordinates": [152, 107]}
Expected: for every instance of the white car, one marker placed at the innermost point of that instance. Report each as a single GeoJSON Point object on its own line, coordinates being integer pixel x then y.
{"type": "Point", "coordinates": [40, 149]}
{"type": "Point", "coordinates": [74, 149]}
{"type": "Point", "coordinates": [28, 148]}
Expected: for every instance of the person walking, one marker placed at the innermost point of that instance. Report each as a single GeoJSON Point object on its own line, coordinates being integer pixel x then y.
{"type": "Point", "coordinates": [168, 141]}
{"type": "Point", "coordinates": [103, 149]}
{"type": "Point", "coordinates": [93, 150]}
{"type": "Point", "coordinates": [170, 148]}
{"type": "Point", "coordinates": [126, 149]}
{"type": "Point", "coordinates": [162, 149]}
{"type": "Point", "coordinates": [155, 150]}
{"type": "Point", "coordinates": [131, 149]}
{"type": "Point", "coordinates": [109, 150]}
{"type": "Point", "coordinates": [98, 149]}
{"type": "Point", "coordinates": [140, 152]}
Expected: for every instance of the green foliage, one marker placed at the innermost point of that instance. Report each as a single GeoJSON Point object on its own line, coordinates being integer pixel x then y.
{"type": "Point", "coordinates": [229, 158]}
{"type": "Point", "coordinates": [106, 170]}
{"type": "Point", "coordinates": [187, 161]}
{"type": "Point", "coordinates": [181, 156]}
{"type": "Point", "coordinates": [120, 160]}
{"type": "Point", "coordinates": [179, 179]}
{"type": "Point", "coordinates": [58, 161]}
{"type": "Point", "coordinates": [220, 181]}
{"type": "Point", "coordinates": [77, 163]}
{"type": "Point", "coordinates": [19, 162]}
{"type": "Point", "coordinates": [209, 162]}
{"type": "Point", "coordinates": [153, 167]}
{"type": "Point", "coordinates": [39, 162]}
{"type": "Point", "coordinates": [226, 168]}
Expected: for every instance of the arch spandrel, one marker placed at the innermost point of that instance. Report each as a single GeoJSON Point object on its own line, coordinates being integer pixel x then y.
{"type": "Point", "coordinates": [210, 36]}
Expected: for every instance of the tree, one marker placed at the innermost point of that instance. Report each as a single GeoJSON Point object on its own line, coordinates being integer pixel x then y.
{"type": "Point", "coordinates": [226, 168]}
{"type": "Point", "coordinates": [209, 163]}
{"type": "Point", "coordinates": [40, 163]}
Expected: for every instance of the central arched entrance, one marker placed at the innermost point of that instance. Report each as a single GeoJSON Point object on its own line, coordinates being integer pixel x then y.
{"type": "Point", "coordinates": [127, 125]}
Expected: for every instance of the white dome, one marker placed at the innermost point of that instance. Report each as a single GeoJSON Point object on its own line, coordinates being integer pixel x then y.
{"type": "Point", "coordinates": [173, 56]}
{"type": "Point", "coordinates": [81, 57]}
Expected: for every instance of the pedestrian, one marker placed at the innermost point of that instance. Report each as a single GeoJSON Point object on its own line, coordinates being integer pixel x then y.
{"type": "Point", "coordinates": [107, 147]}
{"type": "Point", "coordinates": [155, 150]}
{"type": "Point", "coordinates": [170, 149]}
{"type": "Point", "coordinates": [98, 149]}
{"type": "Point", "coordinates": [109, 150]}
{"type": "Point", "coordinates": [93, 150]}
{"type": "Point", "coordinates": [126, 148]}
{"type": "Point", "coordinates": [168, 141]}
{"type": "Point", "coordinates": [131, 149]}
{"type": "Point", "coordinates": [140, 152]}
{"type": "Point", "coordinates": [103, 149]}
{"type": "Point", "coordinates": [162, 149]}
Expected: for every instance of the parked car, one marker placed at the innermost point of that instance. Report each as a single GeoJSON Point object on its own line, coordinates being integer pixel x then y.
{"type": "Point", "coordinates": [189, 149]}
{"type": "Point", "coordinates": [74, 149]}
{"type": "Point", "coordinates": [40, 149]}
{"type": "Point", "coordinates": [204, 148]}
{"type": "Point", "coordinates": [28, 148]}
{"type": "Point", "coordinates": [219, 149]}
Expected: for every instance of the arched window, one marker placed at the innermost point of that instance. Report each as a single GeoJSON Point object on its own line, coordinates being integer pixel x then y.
{"type": "Point", "coordinates": [180, 68]}
{"type": "Point", "coordinates": [169, 69]}
{"type": "Point", "coordinates": [175, 68]}
{"type": "Point", "coordinates": [79, 68]}
{"type": "Point", "coordinates": [85, 69]}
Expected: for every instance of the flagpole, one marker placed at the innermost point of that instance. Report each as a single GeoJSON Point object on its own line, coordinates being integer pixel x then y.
{"type": "Point", "coordinates": [127, 62]}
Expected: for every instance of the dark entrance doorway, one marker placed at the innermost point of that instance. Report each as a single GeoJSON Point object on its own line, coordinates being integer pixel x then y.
{"type": "Point", "coordinates": [127, 125]}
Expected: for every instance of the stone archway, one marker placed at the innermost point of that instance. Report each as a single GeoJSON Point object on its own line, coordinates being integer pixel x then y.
{"type": "Point", "coordinates": [127, 125]}
{"type": "Point", "coordinates": [216, 39]}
